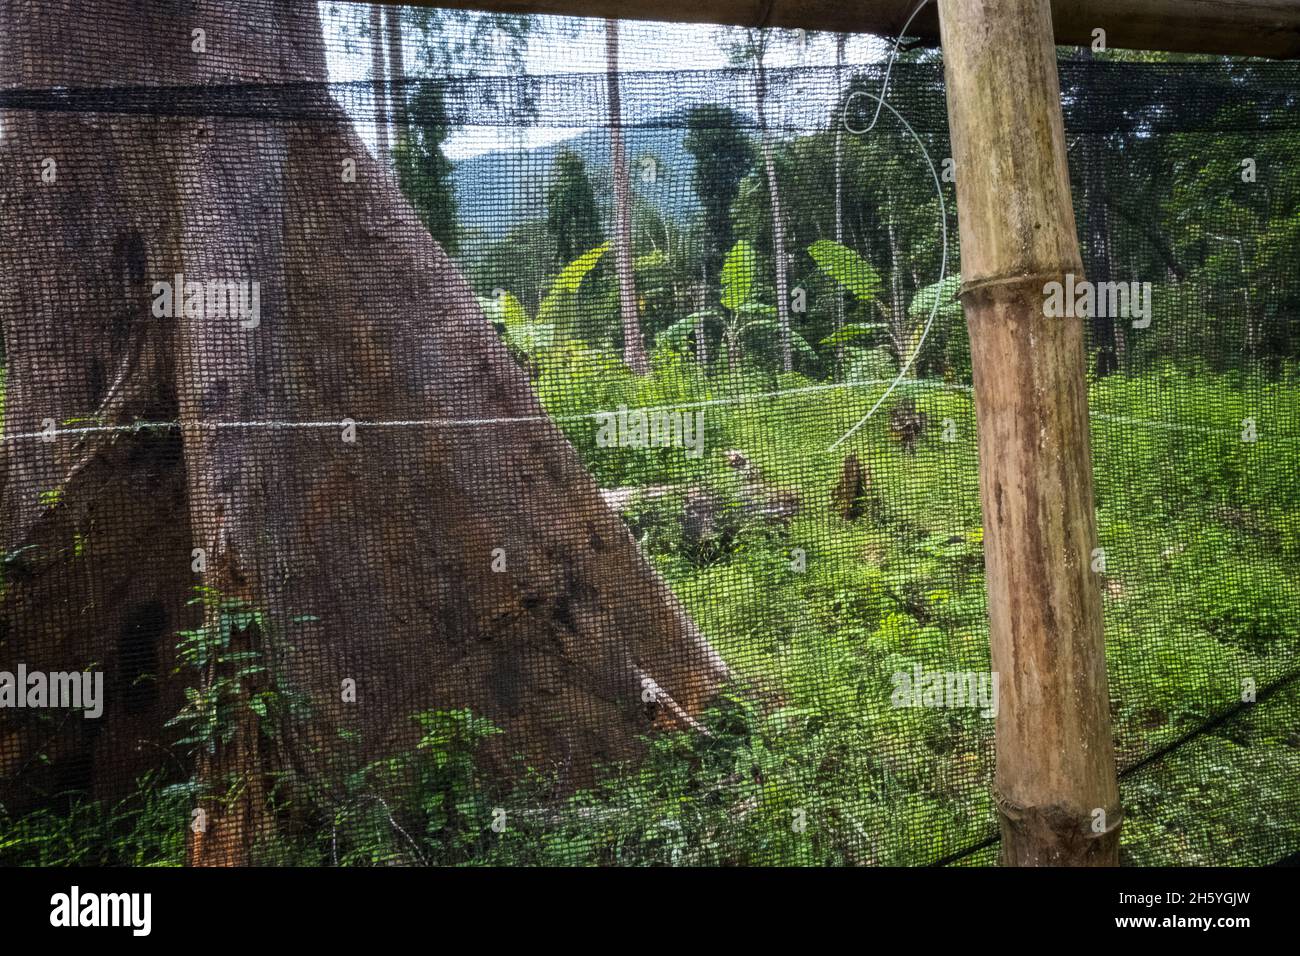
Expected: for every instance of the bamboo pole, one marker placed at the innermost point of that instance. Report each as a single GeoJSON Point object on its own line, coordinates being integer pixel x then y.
{"type": "Point", "coordinates": [1056, 790]}
{"type": "Point", "coordinates": [1235, 27]}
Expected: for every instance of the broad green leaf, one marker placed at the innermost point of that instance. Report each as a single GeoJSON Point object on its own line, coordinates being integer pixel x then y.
{"type": "Point", "coordinates": [847, 268]}
{"type": "Point", "coordinates": [655, 259]}
{"type": "Point", "coordinates": [531, 337]}
{"type": "Point", "coordinates": [504, 308]}
{"type": "Point", "coordinates": [946, 290]}
{"type": "Point", "coordinates": [739, 272]}
{"type": "Point", "coordinates": [801, 344]}
{"type": "Point", "coordinates": [511, 310]}
{"type": "Point", "coordinates": [852, 331]}
{"type": "Point", "coordinates": [568, 281]}
{"type": "Point", "coordinates": [760, 309]}
{"type": "Point", "coordinates": [571, 276]}
{"type": "Point", "coordinates": [675, 335]}
{"type": "Point", "coordinates": [770, 325]}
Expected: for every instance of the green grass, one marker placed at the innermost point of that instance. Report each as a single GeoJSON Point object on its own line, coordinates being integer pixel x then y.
{"type": "Point", "coordinates": [808, 762]}
{"type": "Point", "coordinates": [1201, 588]}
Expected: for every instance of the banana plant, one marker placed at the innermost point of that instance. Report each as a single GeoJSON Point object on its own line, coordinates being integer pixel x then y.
{"type": "Point", "coordinates": [529, 336]}
{"type": "Point", "coordinates": [946, 292]}
{"type": "Point", "coordinates": [947, 312]}
{"type": "Point", "coordinates": [740, 314]}
{"type": "Point", "coordinates": [854, 274]}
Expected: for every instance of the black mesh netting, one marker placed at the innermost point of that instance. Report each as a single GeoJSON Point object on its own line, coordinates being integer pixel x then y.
{"type": "Point", "coordinates": [568, 537]}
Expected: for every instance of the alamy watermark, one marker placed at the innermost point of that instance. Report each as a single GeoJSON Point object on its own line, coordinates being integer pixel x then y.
{"type": "Point", "coordinates": [653, 428]}
{"type": "Point", "coordinates": [921, 688]}
{"type": "Point", "coordinates": [75, 690]}
{"type": "Point", "coordinates": [1085, 300]}
{"type": "Point", "coordinates": [75, 908]}
{"type": "Point", "coordinates": [213, 299]}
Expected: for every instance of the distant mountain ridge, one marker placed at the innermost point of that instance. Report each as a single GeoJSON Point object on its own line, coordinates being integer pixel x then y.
{"type": "Point", "coordinates": [498, 190]}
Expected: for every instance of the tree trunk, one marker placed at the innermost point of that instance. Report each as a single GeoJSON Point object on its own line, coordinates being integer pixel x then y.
{"type": "Point", "coordinates": [396, 71]}
{"type": "Point", "coordinates": [370, 560]}
{"type": "Point", "coordinates": [94, 525]}
{"type": "Point", "coordinates": [633, 345]}
{"type": "Point", "coordinates": [778, 218]}
{"type": "Point", "coordinates": [897, 307]}
{"type": "Point", "coordinates": [700, 299]}
{"type": "Point", "coordinates": [841, 39]}
{"type": "Point", "coordinates": [1107, 334]}
{"type": "Point", "coordinates": [377, 82]}
{"type": "Point", "coordinates": [1056, 788]}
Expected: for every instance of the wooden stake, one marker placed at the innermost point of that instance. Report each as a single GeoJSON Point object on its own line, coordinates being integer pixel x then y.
{"type": "Point", "coordinates": [1056, 789]}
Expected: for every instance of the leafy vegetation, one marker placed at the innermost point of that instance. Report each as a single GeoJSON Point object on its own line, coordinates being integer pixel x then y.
{"type": "Point", "coordinates": [806, 760]}
{"type": "Point", "coordinates": [423, 172]}
{"type": "Point", "coordinates": [1202, 535]}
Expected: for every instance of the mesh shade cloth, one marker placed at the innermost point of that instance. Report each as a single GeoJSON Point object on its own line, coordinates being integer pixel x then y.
{"type": "Point", "coordinates": [326, 450]}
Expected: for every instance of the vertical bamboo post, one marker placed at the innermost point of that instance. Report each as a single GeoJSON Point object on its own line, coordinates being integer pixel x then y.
{"type": "Point", "coordinates": [1057, 796]}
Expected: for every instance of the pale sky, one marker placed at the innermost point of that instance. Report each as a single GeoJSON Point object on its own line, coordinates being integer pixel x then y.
{"type": "Point", "coordinates": [577, 45]}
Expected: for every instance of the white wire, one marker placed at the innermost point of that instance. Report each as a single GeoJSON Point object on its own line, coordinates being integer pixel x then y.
{"type": "Point", "coordinates": [471, 422]}
{"type": "Point", "coordinates": [943, 261]}
{"type": "Point", "coordinates": [889, 67]}
{"type": "Point", "coordinates": [435, 422]}
{"type": "Point", "coordinates": [943, 212]}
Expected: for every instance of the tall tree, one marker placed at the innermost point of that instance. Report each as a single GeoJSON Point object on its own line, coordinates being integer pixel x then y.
{"type": "Point", "coordinates": [723, 156]}
{"type": "Point", "coordinates": [441, 40]}
{"type": "Point", "coordinates": [475, 569]}
{"type": "Point", "coordinates": [633, 345]}
{"type": "Point", "coordinates": [751, 46]}
{"type": "Point", "coordinates": [423, 171]}
{"type": "Point", "coordinates": [378, 80]}
{"type": "Point", "coordinates": [396, 70]}
{"type": "Point", "coordinates": [888, 215]}
{"type": "Point", "coordinates": [841, 41]}
{"type": "Point", "coordinates": [572, 216]}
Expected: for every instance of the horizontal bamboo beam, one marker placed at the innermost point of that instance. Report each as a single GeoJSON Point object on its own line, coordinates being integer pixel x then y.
{"type": "Point", "coordinates": [1269, 28]}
